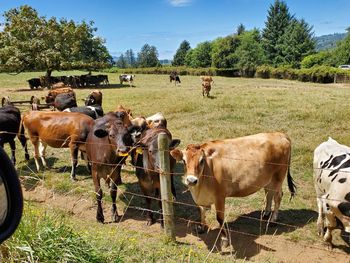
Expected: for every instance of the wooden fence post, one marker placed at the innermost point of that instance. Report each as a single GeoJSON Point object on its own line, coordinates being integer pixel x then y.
{"type": "Point", "coordinates": [165, 186]}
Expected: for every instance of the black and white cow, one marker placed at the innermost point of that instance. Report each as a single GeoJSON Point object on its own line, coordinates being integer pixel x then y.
{"type": "Point", "coordinates": [332, 182]}
{"type": "Point", "coordinates": [126, 78]}
{"type": "Point", "coordinates": [94, 111]}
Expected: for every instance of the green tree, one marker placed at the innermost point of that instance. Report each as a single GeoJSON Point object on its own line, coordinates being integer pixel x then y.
{"type": "Point", "coordinates": [250, 52]}
{"type": "Point", "coordinates": [179, 57]}
{"type": "Point", "coordinates": [240, 29]}
{"type": "Point", "coordinates": [130, 58]}
{"type": "Point", "coordinates": [148, 57]}
{"type": "Point", "coordinates": [199, 57]}
{"type": "Point", "coordinates": [297, 43]}
{"type": "Point", "coordinates": [278, 19]}
{"type": "Point", "coordinates": [223, 52]}
{"type": "Point", "coordinates": [121, 62]}
{"type": "Point", "coordinates": [341, 54]}
{"type": "Point", "coordinates": [320, 58]}
{"type": "Point", "coordinates": [30, 42]}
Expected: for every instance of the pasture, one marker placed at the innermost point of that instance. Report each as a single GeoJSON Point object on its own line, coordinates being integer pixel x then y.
{"type": "Point", "coordinates": [307, 112]}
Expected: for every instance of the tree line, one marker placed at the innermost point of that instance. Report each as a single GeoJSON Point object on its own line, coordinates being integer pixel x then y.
{"type": "Point", "coordinates": [32, 42]}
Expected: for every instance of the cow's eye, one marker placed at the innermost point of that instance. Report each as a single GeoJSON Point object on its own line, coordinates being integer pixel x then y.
{"type": "Point", "coordinates": [201, 161]}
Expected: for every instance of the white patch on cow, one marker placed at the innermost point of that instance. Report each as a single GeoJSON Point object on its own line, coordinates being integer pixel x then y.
{"type": "Point", "coordinates": [67, 110]}
{"type": "Point", "coordinates": [93, 109]}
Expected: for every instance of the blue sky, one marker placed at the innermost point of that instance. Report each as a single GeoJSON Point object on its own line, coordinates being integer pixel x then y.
{"type": "Point", "coordinates": [165, 24]}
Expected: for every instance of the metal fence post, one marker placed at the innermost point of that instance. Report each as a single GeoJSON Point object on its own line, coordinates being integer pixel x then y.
{"type": "Point", "coordinates": [165, 186]}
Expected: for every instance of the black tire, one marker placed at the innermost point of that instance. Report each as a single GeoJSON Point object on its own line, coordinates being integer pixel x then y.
{"type": "Point", "coordinates": [14, 197]}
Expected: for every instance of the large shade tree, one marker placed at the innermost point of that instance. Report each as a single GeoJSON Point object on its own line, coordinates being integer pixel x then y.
{"type": "Point", "coordinates": [31, 42]}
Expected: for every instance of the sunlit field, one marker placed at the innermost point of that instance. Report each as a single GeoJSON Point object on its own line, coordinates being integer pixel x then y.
{"type": "Point", "coordinates": [309, 113]}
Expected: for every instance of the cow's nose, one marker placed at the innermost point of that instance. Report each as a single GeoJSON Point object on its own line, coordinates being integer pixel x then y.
{"type": "Point", "coordinates": [191, 180]}
{"type": "Point", "coordinates": [123, 151]}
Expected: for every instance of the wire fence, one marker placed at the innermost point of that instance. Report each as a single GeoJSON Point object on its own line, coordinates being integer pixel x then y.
{"type": "Point", "coordinates": [27, 172]}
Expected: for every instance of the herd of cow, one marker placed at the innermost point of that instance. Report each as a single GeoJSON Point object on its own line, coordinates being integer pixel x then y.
{"type": "Point", "coordinates": [214, 170]}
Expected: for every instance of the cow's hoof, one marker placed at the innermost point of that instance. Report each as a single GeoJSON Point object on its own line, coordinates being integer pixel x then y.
{"type": "Point", "coordinates": [266, 215]}
{"type": "Point", "coordinates": [73, 179]}
{"type": "Point", "coordinates": [100, 219]}
{"type": "Point", "coordinates": [150, 221]}
{"type": "Point", "coordinates": [201, 229]}
{"type": "Point", "coordinates": [116, 218]}
{"type": "Point", "coordinates": [224, 242]}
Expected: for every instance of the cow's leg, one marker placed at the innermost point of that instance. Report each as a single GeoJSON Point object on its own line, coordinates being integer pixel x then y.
{"type": "Point", "coordinates": [157, 196]}
{"type": "Point", "coordinates": [320, 218]}
{"type": "Point", "coordinates": [220, 216]}
{"type": "Point", "coordinates": [113, 192]}
{"type": "Point", "coordinates": [23, 141]}
{"type": "Point", "coordinates": [277, 200]}
{"type": "Point", "coordinates": [173, 191]}
{"type": "Point", "coordinates": [146, 188]}
{"type": "Point", "coordinates": [35, 142]}
{"type": "Point", "coordinates": [202, 228]}
{"type": "Point", "coordinates": [42, 149]}
{"type": "Point", "coordinates": [74, 150]}
{"type": "Point", "coordinates": [269, 196]}
{"type": "Point", "coordinates": [331, 224]}
{"type": "Point", "coordinates": [13, 151]}
{"type": "Point", "coordinates": [99, 194]}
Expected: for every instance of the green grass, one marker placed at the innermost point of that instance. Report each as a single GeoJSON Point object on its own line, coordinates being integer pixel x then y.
{"type": "Point", "coordinates": [307, 112]}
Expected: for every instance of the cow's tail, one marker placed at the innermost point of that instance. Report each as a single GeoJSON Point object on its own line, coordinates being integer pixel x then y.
{"type": "Point", "coordinates": [22, 138]}
{"type": "Point", "coordinates": [291, 185]}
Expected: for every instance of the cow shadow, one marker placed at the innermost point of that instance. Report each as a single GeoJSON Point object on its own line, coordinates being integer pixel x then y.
{"type": "Point", "coordinates": [248, 227]}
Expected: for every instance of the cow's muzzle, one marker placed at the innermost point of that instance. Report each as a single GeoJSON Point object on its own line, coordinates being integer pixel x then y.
{"type": "Point", "coordinates": [191, 180]}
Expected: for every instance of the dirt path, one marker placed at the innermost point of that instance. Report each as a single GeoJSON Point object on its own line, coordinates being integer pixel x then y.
{"type": "Point", "coordinates": [264, 248]}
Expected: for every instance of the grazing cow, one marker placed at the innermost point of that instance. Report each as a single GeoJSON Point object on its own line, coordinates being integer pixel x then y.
{"type": "Point", "coordinates": [94, 98]}
{"type": "Point", "coordinates": [50, 98]}
{"type": "Point", "coordinates": [107, 146]}
{"type": "Point", "coordinates": [174, 77]}
{"type": "Point", "coordinates": [236, 168]}
{"type": "Point", "coordinates": [332, 183]}
{"type": "Point", "coordinates": [127, 78]}
{"type": "Point", "coordinates": [34, 83]}
{"type": "Point", "coordinates": [58, 130]}
{"type": "Point", "coordinates": [94, 111]}
{"type": "Point", "coordinates": [147, 164]}
{"type": "Point", "coordinates": [65, 100]}
{"type": "Point", "coordinates": [10, 120]}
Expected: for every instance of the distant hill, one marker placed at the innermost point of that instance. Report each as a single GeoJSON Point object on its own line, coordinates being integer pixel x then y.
{"type": "Point", "coordinates": [328, 41]}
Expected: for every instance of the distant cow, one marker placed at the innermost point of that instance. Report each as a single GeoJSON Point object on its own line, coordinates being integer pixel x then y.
{"type": "Point", "coordinates": [58, 130]}
{"type": "Point", "coordinates": [126, 78]}
{"type": "Point", "coordinates": [174, 77]}
{"type": "Point", "coordinates": [236, 168]}
{"type": "Point", "coordinates": [65, 100]}
{"type": "Point", "coordinates": [50, 98]}
{"type": "Point", "coordinates": [332, 183]}
{"type": "Point", "coordinates": [34, 83]}
{"type": "Point", "coordinates": [207, 81]}
{"type": "Point", "coordinates": [94, 98]}
{"type": "Point", "coordinates": [10, 120]}
{"type": "Point", "coordinates": [107, 147]}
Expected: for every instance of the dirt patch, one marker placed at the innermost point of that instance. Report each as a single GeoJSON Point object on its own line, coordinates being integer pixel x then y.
{"type": "Point", "coordinates": [271, 248]}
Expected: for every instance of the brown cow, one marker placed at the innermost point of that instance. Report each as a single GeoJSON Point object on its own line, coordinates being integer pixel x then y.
{"type": "Point", "coordinates": [207, 81]}
{"type": "Point", "coordinates": [94, 98]}
{"type": "Point", "coordinates": [50, 98]}
{"type": "Point", "coordinates": [58, 130]}
{"type": "Point", "coordinates": [107, 146]}
{"type": "Point", "coordinates": [236, 168]}
{"type": "Point", "coordinates": [147, 163]}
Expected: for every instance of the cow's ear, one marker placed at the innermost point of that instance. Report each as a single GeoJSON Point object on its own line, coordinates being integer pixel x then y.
{"type": "Point", "coordinates": [176, 154]}
{"type": "Point", "coordinates": [210, 153]}
{"type": "Point", "coordinates": [100, 133]}
{"type": "Point", "coordinates": [174, 143]}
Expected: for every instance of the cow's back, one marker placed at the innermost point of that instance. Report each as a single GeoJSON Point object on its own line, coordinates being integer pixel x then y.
{"type": "Point", "coordinates": [243, 165]}
{"type": "Point", "coordinates": [55, 128]}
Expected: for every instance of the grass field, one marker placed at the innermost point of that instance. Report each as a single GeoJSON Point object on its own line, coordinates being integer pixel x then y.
{"type": "Point", "coordinates": [309, 113]}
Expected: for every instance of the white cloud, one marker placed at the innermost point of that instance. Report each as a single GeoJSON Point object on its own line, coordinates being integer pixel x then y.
{"type": "Point", "coordinates": [178, 3]}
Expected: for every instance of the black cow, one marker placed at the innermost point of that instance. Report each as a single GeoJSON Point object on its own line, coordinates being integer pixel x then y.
{"type": "Point", "coordinates": [34, 83]}
{"type": "Point", "coordinates": [174, 77]}
{"type": "Point", "coordinates": [65, 100]}
{"type": "Point", "coordinates": [10, 120]}
{"type": "Point", "coordinates": [94, 111]}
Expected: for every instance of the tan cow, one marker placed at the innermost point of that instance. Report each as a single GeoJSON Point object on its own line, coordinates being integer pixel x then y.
{"type": "Point", "coordinates": [207, 81]}
{"type": "Point", "coordinates": [236, 168]}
